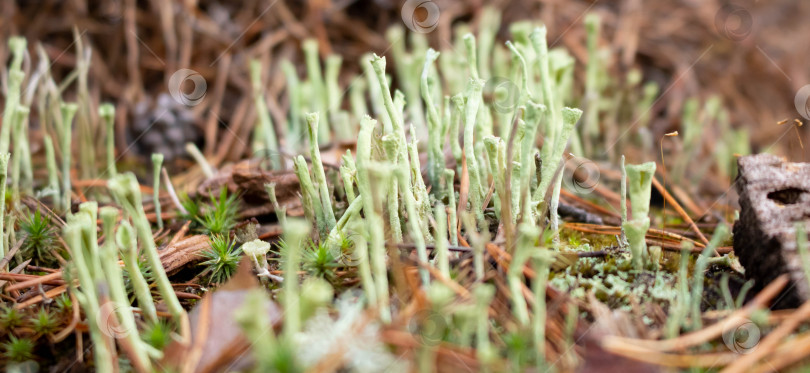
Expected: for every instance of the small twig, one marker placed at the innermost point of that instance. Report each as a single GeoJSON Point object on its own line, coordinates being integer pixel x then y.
{"type": "Point", "coordinates": [39, 298]}
{"type": "Point", "coordinates": [14, 271]}
{"type": "Point", "coordinates": [34, 268]}
{"type": "Point", "coordinates": [11, 253]}
{"type": "Point", "coordinates": [36, 281]}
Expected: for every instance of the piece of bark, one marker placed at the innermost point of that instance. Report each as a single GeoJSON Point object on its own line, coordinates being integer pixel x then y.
{"type": "Point", "coordinates": [247, 181]}
{"type": "Point", "coordinates": [774, 197]}
{"type": "Point", "coordinates": [188, 250]}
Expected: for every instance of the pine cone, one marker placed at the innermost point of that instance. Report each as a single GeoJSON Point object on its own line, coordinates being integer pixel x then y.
{"type": "Point", "coordinates": [164, 126]}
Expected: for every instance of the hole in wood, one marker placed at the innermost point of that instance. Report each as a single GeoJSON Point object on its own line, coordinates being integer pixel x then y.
{"type": "Point", "coordinates": [787, 196]}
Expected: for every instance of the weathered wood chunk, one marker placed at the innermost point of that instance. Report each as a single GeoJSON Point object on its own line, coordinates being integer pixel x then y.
{"type": "Point", "coordinates": [774, 197]}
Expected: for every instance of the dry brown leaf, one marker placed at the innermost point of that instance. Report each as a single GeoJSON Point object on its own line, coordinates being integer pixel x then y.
{"type": "Point", "coordinates": [217, 341]}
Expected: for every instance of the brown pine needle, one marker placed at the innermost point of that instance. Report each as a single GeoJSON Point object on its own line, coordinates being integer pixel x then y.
{"type": "Point", "coordinates": [708, 333]}
{"type": "Point", "coordinates": [671, 360]}
{"type": "Point", "coordinates": [668, 197]}
{"type": "Point", "coordinates": [771, 341]}
{"type": "Point", "coordinates": [799, 136]}
{"type": "Point", "coordinates": [789, 352]}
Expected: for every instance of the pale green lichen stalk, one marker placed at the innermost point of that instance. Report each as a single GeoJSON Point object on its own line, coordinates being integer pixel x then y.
{"type": "Point", "coordinates": [361, 256]}
{"type": "Point", "coordinates": [449, 187]}
{"type": "Point", "coordinates": [395, 113]}
{"type": "Point", "coordinates": [294, 234]}
{"type": "Point", "coordinates": [125, 189]}
{"type": "Point", "coordinates": [22, 173]}
{"type": "Point", "coordinates": [527, 236]}
{"type": "Point", "coordinates": [639, 181]}
{"type": "Point", "coordinates": [295, 134]}
{"type": "Point", "coordinates": [318, 173]}
{"type": "Point", "coordinates": [376, 235]}
{"type": "Point", "coordinates": [319, 100]}
{"type": "Point", "coordinates": [389, 143]}
{"type": "Point", "coordinates": [701, 265]}
{"type": "Point", "coordinates": [590, 126]}
{"type": "Point", "coordinates": [115, 280]}
{"type": "Point", "coordinates": [281, 212]}
{"type": "Point", "coordinates": [483, 295]}
{"type": "Point", "coordinates": [414, 226]}
{"type": "Point", "coordinates": [107, 112]}
{"type": "Point", "coordinates": [477, 241]}
{"type": "Point", "coordinates": [310, 199]}
{"type": "Point", "coordinates": [623, 205]}
{"type": "Point", "coordinates": [68, 112]}
{"type": "Point", "coordinates": [82, 262]}
{"type": "Point", "coordinates": [496, 151]}
{"type": "Point", "coordinates": [559, 129]}
{"type": "Point", "coordinates": [127, 241]}
{"type": "Point", "coordinates": [442, 251]}
{"type": "Point", "coordinates": [553, 160]}
{"type": "Point", "coordinates": [157, 164]}
{"type": "Point", "coordinates": [265, 132]}
{"type": "Point", "coordinates": [435, 130]}
{"type": "Point", "coordinates": [16, 45]}
{"type": "Point", "coordinates": [198, 156]}
{"type": "Point", "coordinates": [473, 96]}
{"type": "Point", "coordinates": [541, 261]}
{"type": "Point", "coordinates": [347, 172]}
{"type": "Point", "coordinates": [52, 188]}
{"type": "Point", "coordinates": [4, 158]}
{"type": "Point", "coordinates": [420, 193]}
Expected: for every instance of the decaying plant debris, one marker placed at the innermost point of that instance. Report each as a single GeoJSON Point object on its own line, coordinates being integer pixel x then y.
{"type": "Point", "coordinates": [329, 192]}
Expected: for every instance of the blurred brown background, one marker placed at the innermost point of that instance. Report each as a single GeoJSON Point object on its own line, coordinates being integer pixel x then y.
{"type": "Point", "coordinates": [751, 53]}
